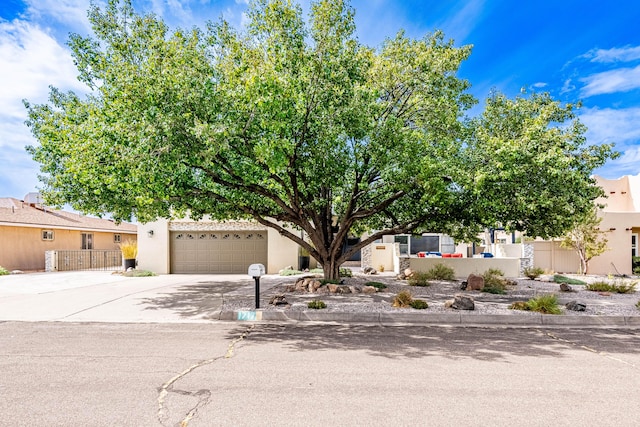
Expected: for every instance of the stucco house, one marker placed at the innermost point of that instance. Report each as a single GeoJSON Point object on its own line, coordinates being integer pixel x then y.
{"type": "Point", "coordinates": [28, 229]}
{"type": "Point", "coordinates": [184, 246]}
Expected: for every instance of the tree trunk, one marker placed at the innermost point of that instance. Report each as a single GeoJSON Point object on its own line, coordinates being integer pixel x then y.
{"type": "Point", "coordinates": [331, 269]}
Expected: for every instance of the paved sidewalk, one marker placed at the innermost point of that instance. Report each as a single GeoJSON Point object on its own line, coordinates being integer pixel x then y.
{"type": "Point", "coordinates": [112, 298]}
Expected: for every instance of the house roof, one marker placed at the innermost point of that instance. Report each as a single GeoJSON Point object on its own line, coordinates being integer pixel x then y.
{"type": "Point", "coordinates": [18, 213]}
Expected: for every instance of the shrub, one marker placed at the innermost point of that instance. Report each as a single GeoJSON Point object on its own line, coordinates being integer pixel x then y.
{"type": "Point", "coordinates": [519, 305]}
{"type": "Point", "coordinates": [533, 272]}
{"type": "Point", "coordinates": [345, 272]}
{"type": "Point", "coordinates": [290, 272]}
{"type": "Point", "coordinates": [403, 299]}
{"type": "Point", "coordinates": [441, 272]}
{"type": "Point", "coordinates": [419, 304]}
{"type": "Point", "coordinates": [545, 304]}
{"type": "Point", "coordinates": [569, 281]}
{"type": "Point", "coordinates": [323, 282]}
{"type": "Point", "coordinates": [494, 283]}
{"type": "Point", "coordinates": [617, 287]}
{"type": "Point", "coordinates": [638, 304]}
{"type": "Point", "coordinates": [316, 304]}
{"type": "Point", "coordinates": [316, 271]}
{"type": "Point", "coordinates": [129, 249]}
{"type": "Point", "coordinates": [419, 278]}
{"type": "Point", "coordinates": [377, 285]}
{"type": "Point", "coordinates": [3, 271]}
{"type": "Point", "coordinates": [139, 273]}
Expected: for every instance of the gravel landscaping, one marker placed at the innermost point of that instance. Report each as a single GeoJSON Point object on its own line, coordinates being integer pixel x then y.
{"type": "Point", "coordinates": [604, 304]}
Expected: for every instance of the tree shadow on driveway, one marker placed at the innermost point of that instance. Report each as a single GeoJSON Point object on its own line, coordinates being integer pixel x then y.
{"type": "Point", "coordinates": [409, 342]}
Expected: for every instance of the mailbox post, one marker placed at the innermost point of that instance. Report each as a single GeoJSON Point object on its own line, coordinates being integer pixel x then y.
{"type": "Point", "coordinates": [256, 270]}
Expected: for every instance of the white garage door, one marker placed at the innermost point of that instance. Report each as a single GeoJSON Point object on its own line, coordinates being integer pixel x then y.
{"type": "Point", "coordinates": [217, 251]}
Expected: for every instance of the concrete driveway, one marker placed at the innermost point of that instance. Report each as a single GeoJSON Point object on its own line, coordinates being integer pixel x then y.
{"type": "Point", "coordinates": [105, 297]}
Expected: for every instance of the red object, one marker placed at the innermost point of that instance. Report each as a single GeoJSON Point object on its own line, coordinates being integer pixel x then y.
{"type": "Point", "coordinates": [421, 255]}
{"type": "Point", "coordinates": [447, 255]}
{"type": "Point", "coordinates": [456, 255]}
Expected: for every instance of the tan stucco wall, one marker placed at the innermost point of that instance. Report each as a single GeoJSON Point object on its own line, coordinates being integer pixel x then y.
{"type": "Point", "coordinates": [465, 266]}
{"type": "Point", "coordinates": [154, 253]}
{"type": "Point", "coordinates": [22, 248]}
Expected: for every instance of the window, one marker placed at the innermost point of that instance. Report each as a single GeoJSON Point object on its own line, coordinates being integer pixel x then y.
{"type": "Point", "coordinates": [117, 238]}
{"type": "Point", "coordinates": [634, 244]}
{"type": "Point", "coordinates": [47, 235]}
{"type": "Point", "coordinates": [87, 241]}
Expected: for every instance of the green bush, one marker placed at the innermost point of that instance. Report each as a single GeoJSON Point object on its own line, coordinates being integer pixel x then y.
{"type": "Point", "coordinates": [379, 286]}
{"type": "Point", "coordinates": [324, 282]}
{"type": "Point", "coordinates": [494, 282]}
{"type": "Point", "coordinates": [345, 272]}
{"type": "Point", "coordinates": [635, 264]}
{"type": "Point", "coordinates": [569, 281]}
{"type": "Point", "coordinates": [139, 273]}
{"type": "Point", "coordinates": [545, 304]}
{"type": "Point", "coordinates": [617, 287]}
{"type": "Point", "coordinates": [403, 299]}
{"type": "Point", "coordinates": [316, 271]}
{"type": "Point", "coordinates": [533, 272]}
{"type": "Point", "coordinates": [638, 305]}
{"type": "Point", "coordinates": [290, 272]}
{"type": "Point", "coordinates": [440, 272]}
{"type": "Point", "coordinates": [419, 278]}
{"type": "Point", "coordinates": [3, 271]}
{"type": "Point", "coordinates": [519, 305]}
{"type": "Point", "coordinates": [316, 304]}
{"type": "Point", "coordinates": [419, 304]}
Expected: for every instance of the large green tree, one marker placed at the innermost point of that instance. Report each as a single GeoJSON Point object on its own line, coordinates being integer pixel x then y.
{"type": "Point", "coordinates": [294, 123]}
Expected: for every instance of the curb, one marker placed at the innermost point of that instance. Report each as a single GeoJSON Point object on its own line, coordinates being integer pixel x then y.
{"type": "Point", "coordinates": [449, 319]}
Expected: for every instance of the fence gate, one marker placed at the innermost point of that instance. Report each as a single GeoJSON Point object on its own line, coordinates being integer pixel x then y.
{"type": "Point", "coordinates": [95, 259]}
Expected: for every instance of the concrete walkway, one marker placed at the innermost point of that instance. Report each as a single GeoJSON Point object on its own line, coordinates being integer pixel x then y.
{"type": "Point", "coordinates": [112, 298]}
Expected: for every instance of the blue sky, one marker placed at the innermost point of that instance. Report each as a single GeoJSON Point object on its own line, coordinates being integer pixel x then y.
{"type": "Point", "coordinates": [576, 50]}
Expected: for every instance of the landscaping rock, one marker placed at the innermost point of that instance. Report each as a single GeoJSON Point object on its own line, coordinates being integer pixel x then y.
{"type": "Point", "coordinates": [278, 300]}
{"type": "Point", "coordinates": [408, 272]}
{"type": "Point", "coordinates": [343, 290]}
{"type": "Point", "coordinates": [475, 282]}
{"type": "Point", "coordinates": [463, 302]}
{"type": "Point", "coordinates": [333, 288]}
{"type": "Point", "coordinates": [448, 303]}
{"type": "Point", "coordinates": [463, 285]}
{"type": "Point", "coordinates": [17, 272]}
{"type": "Point", "coordinates": [369, 270]}
{"type": "Point", "coordinates": [576, 306]}
{"type": "Point", "coordinates": [369, 290]}
{"type": "Point", "coordinates": [401, 276]}
{"type": "Point", "coordinates": [566, 288]}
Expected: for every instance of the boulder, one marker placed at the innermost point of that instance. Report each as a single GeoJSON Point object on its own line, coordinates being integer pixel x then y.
{"type": "Point", "coordinates": [369, 290]}
{"type": "Point", "coordinates": [369, 270]}
{"type": "Point", "coordinates": [408, 272]}
{"type": "Point", "coordinates": [475, 282]}
{"type": "Point", "coordinates": [278, 300]}
{"type": "Point", "coordinates": [315, 285]}
{"type": "Point", "coordinates": [401, 276]}
{"type": "Point", "coordinates": [344, 290]}
{"type": "Point", "coordinates": [576, 306]}
{"type": "Point", "coordinates": [565, 288]}
{"type": "Point", "coordinates": [332, 288]}
{"type": "Point", "coordinates": [448, 303]}
{"type": "Point", "coordinates": [463, 302]}
{"type": "Point", "coordinates": [463, 285]}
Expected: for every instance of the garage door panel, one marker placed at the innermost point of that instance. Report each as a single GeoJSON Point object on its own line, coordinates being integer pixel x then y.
{"type": "Point", "coordinates": [217, 251]}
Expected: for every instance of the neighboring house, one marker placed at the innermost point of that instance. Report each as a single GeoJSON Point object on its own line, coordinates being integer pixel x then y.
{"type": "Point", "coordinates": [184, 246]}
{"type": "Point", "coordinates": [28, 229]}
{"type": "Point", "coordinates": [620, 221]}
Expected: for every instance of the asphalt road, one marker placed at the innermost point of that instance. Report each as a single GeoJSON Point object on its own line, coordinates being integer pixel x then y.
{"type": "Point", "coordinates": [255, 374]}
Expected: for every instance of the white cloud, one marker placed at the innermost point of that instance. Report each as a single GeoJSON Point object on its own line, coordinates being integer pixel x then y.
{"type": "Point", "coordinates": [462, 23]}
{"type": "Point", "coordinates": [32, 60]}
{"type": "Point", "coordinates": [612, 81]}
{"type": "Point", "coordinates": [624, 54]}
{"type": "Point", "coordinates": [70, 12]}
{"type": "Point", "coordinates": [612, 125]}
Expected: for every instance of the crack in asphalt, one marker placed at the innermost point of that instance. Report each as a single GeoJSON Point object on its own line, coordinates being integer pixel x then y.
{"type": "Point", "coordinates": [203, 395]}
{"type": "Point", "coordinates": [590, 349]}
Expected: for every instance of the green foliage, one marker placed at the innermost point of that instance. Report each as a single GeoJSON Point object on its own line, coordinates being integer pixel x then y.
{"type": "Point", "coordinates": [402, 299]}
{"type": "Point", "coordinates": [379, 286]}
{"type": "Point", "coordinates": [331, 281]}
{"type": "Point", "coordinates": [139, 273]}
{"type": "Point", "coordinates": [290, 272]}
{"type": "Point", "coordinates": [419, 304]}
{"type": "Point", "coordinates": [3, 271]}
{"type": "Point", "coordinates": [568, 280]}
{"type": "Point", "coordinates": [619, 287]}
{"type": "Point", "coordinates": [440, 272]}
{"type": "Point", "coordinates": [316, 271]}
{"type": "Point", "coordinates": [419, 278]}
{"type": "Point", "coordinates": [638, 305]}
{"type": "Point", "coordinates": [316, 304]}
{"type": "Point", "coordinates": [129, 249]}
{"type": "Point", "coordinates": [635, 264]}
{"type": "Point", "coordinates": [295, 122]}
{"type": "Point", "coordinates": [545, 304]}
{"type": "Point", "coordinates": [345, 272]}
{"type": "Point", "coordinates": [586, 238]}
{"type": "Point", "coordinates": [533, 272]}
{"type": "Point", "coordinates": [494, 282]}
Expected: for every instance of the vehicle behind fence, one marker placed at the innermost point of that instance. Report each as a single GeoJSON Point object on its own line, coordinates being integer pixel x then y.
{"type": "Point", "coordinates": [93, 259]}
